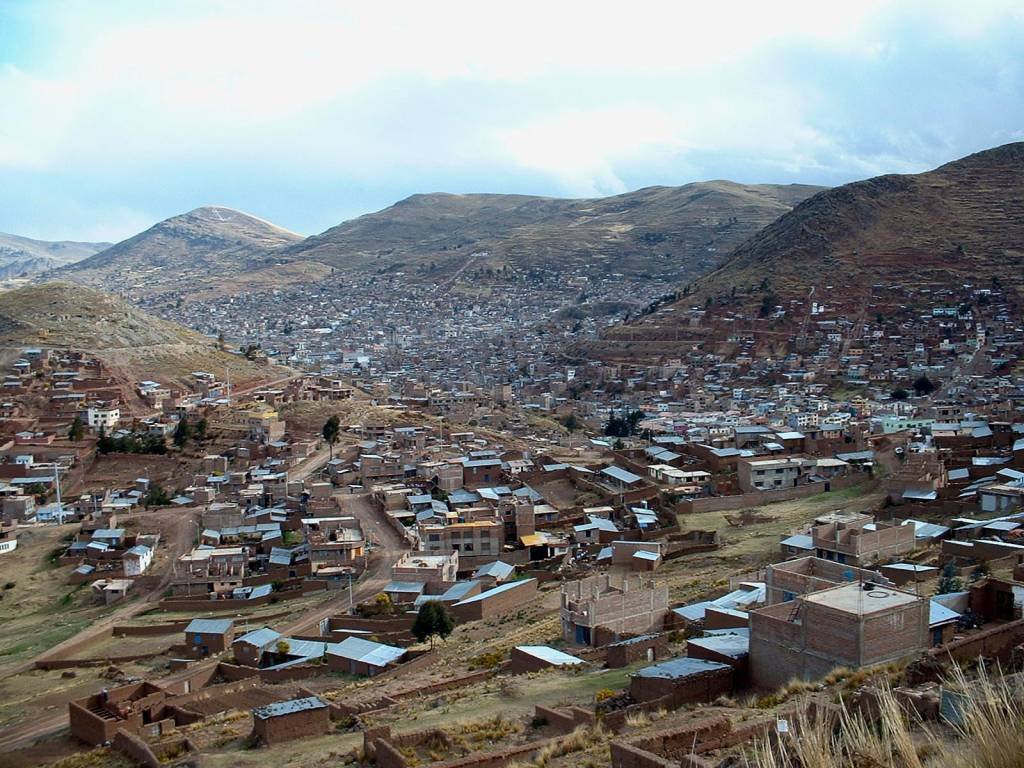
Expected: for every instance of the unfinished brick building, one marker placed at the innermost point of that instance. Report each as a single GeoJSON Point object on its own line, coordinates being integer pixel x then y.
{"type": "Point", "coordinates": [853, 625]}
{"type": "Point", "coordinates": [861, 541]}
{"type": "Point", "coordinates": [601, 609]}
{"type": "Point", "coordinates": [792, 578]}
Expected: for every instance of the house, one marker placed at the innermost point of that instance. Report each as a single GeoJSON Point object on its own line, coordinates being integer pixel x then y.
{"type": "Point", "coordinates": [289, 720]}
{"type": "Point", "coordinates": [600, 609]}
{"type": "Point", "coordinates": [860, 541]}
{"type": "Point", "coordinates": [209, 636]}
{"type": "Point", "coordinates": [495, 601]}
{"type": "Point", "coordinates": [136, 560]}
{"type": "Point", "coordinates": [250, 647]}
{"type": "Point", "coordinates": [853, 625]}
{"type": "Point", "coordinates": [111, 590]}
{"type": "Point", "coordinates": [495, 573]}
{"type": "Point", "coordinates": [682, 681]}
{"type": "Point", "coordinates": [533, 658]}
{"type": "Point", "coordinates": [437, 571]}
{"type": "Point", "coordinates": [355, 656]}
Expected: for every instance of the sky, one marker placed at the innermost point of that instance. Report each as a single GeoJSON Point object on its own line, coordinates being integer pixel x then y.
{"type": "Point", "coordinates": [115, 114]}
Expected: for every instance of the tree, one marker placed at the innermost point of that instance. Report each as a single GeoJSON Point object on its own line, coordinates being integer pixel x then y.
{"type": "Point", "coordinates": [182, 433]}
{"type": "Point", "coordinates": [201, 426]}
{"type": "Point", "coordinates": [105, 444]}
{"type": "Point", "coordinates": [283, 647]}
{"type": "Point", "coordinates": [433, 620]}
{"type": "Point", "coordinates": [923, 386]}
{"type": "Point", "coordinates": [571, 422]}
{"type": "Point", "coordinates": [157, 496]}
{"type": "Point", "coordinates": [948, 581]}
{"type": "Point", "coordinates": [331, 431]}
{"type": "Point", "coordinates": [900, 394]}
{"type": "Point", "coordinates": [77, 430]}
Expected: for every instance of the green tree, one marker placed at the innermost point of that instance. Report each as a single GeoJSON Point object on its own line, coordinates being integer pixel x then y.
{"type": "Point", "coordinates": [900, 394]}
{"type": "Point", "coordinates": [201, 426]}
{"type": "Point", "coordinates": [157, 496]}
{"type": "Point", "coordinates": [923, 386]}
{"type": "Point", "coordinates": [571, 422]}
{"type": "Point", "coordinates": [182, 433]}
{"type": "Point", "coordinates": [949, 581]}
{"type": "Point", "coordinates": [433, 620]}
{"type": "Point", "coordinates": [331, 432]}
{"type": "Point", "coordinates": [77, 430]}
{"type": "Point", "coordinates": [105, 444]}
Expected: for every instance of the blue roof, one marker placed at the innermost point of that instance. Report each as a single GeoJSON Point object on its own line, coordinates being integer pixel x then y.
{"type": "Point", "coordinates": [288, 707]}
{"type": "Point", "coordinates": [682, 667]}
{"type": "Point", "coordinates": [799, 540]}
{"type": "Point", "coordinates": [492, 592]}
{"type": "Point", "coordinates": [632, 640]}
{"type": "Point", "coordinates": [645, 555]}
{"type": "Point", "coordinates": [209, 626]}
{"type": "Point", "coordinates": [940, 614]}
{"type": "Point", "coordinates": [621, 475]}
{"type": "Point", "coordinates": [259, 638]}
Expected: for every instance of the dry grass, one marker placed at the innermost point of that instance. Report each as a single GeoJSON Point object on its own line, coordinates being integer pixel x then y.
{"type": "Point", "coordinates": [991, 736]}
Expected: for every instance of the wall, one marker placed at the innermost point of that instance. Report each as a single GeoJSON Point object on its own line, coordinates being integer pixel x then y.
{"type": "Point", "coordinates": [757, 498]}
{"type": "Point", "coordinates": [276, 730]}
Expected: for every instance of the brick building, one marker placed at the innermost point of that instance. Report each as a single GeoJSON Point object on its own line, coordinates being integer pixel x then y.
{"type": "Point", "coordinates": [786, 581]}
{"type": "Point", "coordinates": [602, 608]}
{"type": "Point", "coordinates": [860, 541]}
{"type": "Point", "coordinates": [209, 636]}
{"type": "Point", "coordinates": [684, 680]}
{"type": "Point", "coordinates": [853, 625]}
{"type": "Point", "coordinates": [288, 720]}
{"type": "Point", "coordinates": [496, 601]}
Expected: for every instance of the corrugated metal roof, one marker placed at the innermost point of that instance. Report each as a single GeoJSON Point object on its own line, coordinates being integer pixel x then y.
{"type": "Point", "coordinates": [209, 626]}
{"type": "Point", "coordinates": [621, 475]}
{"type": "Point", "coordinates": [940, 614]}
{"type": "Point", "coordinates": [550, 655]}
{"type": "Point", "coordinates": [260, 638]}
{"type": "Point", "coordinates": [280, 708]}
{"type": "Point", "coordinates": [733, 646]}
{"type": "Point", "coordinates": [366, 651]}
{"type": "Point", "coordinates": [495, 591]}
{"type": "Point", "coordinates": [677, 669]}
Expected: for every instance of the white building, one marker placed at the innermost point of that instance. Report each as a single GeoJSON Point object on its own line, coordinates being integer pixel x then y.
{"type": "Point", "coordinates": [103, 417]}
{"type": "Point", "coordinates": [137, 560]}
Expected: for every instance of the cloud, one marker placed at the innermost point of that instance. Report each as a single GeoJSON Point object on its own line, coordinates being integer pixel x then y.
{"type": "Point", "coordinates": [306, 110]}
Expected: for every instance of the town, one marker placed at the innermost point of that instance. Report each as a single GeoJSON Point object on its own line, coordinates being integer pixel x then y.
{"type": "Point", "coordinates": [606, 548]}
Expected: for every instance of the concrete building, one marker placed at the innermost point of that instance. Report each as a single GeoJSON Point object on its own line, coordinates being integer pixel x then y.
{"type": "Point", "coordinates": [436, 571]}
{"type": "Point", "coordinates": [599, 609]}
{"type": "Point", "coordinates": [496, 601]}
{"type": "Point", "coordinates": [288, 720]}
{"type": "Point", "coordinates": [771, 474]}
{"type": "Point", "coordinates": [853, 625]}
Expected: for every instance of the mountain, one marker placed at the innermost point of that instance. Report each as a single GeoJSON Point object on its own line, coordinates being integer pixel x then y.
{"type": "Point", "coordinates": [61, 315]}
{"type": "Point", "coordinates": [23, 256]}
{"type": "Point", "coordinates": [210, 240]}
{"type": "Point", "coordinates": [962, 222]}
{"type": "Point", "coordinates": [894, 242]}
{"type": "Point", "coordinates": [657, 230]}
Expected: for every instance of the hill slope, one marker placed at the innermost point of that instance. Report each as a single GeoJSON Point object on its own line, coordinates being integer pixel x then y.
{"type": "Point", "coordinates": [963, 221]}
{"type": "Point", "coordinates": [23, 256]}
{"type": "Point", "coordinates": [886, 242]}
{"type": "Point", "coordinates": [66, 316]}
{"type": "Point", "coordinates": [210, 240]}
{"type": "Point", "coordinates": [657, 229]}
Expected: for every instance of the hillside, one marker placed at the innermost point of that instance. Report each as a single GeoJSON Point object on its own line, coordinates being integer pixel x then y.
{"type": "Point", "coordinates": [210, 240]}
{"type": "Point", "coordinates": [654, 230]}
{"type": "Point", "coordinates": [962, 222]}
{"type": "Point", "coordinates": [66, 316]}
{"type": "Point", "coordinates": [883, 245]}
{"type": "Point", "coordinates": [23, 256]}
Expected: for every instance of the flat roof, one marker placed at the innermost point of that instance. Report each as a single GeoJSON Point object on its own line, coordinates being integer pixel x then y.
{"type": "Point", "coordinates": [854, 598]}
{"type": "Point", "coordinates": [550, 655]}
{"type": "Point", "coordinates": [288, 707]}
{"type": "Point", "coordinates": [682, 667]}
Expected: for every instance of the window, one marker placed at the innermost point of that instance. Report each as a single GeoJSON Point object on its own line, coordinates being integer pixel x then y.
{"type": "Point", "coordinates": [788, 596]}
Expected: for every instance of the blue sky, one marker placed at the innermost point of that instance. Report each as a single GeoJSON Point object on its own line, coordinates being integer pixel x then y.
{"type": "Point", "coordinates": [114, 115]}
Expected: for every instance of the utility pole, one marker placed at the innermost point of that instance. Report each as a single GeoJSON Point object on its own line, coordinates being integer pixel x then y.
{"type": "Point", "coordinates": [56, 479]}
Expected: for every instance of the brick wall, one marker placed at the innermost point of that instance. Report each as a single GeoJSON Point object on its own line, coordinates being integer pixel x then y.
{"type": "Point", "coordinates": [624, 654]}
{"type": "Point", "coordinates": [296, 725]}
